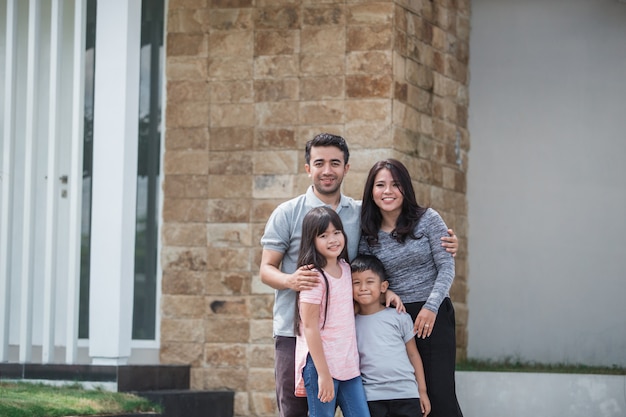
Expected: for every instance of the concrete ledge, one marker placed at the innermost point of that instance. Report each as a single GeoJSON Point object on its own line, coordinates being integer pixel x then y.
{"type": "Point", "coordinates": [520, 394]}
{"type": "Point", "coordinates": [122, 378]}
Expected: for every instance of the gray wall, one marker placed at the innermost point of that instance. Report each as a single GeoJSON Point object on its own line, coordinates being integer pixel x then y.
{"type": "Point", "coordinates": [523, 394]}
{"type": "Point", "coordinates": [547, 181]}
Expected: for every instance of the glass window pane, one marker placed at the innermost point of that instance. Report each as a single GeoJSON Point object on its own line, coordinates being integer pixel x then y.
{"type": "Point", "coordinates": [146, 238]}
{"type": "Point", "coordinates": [90, 65]}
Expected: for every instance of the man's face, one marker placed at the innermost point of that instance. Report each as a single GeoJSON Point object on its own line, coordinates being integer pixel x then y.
{"type": "Point", "coordinates": [327, 169]}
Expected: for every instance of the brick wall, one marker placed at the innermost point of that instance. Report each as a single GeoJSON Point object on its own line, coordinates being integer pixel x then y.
{"type": "Point", "coordinates": [248, 83]}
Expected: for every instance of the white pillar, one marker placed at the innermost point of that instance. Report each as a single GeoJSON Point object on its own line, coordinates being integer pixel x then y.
{"type": "Point", "coordinates": [50, 278]}
{"type": "Point", "coordinates": [6, 174]}
{"type": "Point", "coordinates": [75, 180]}
{"type": "Point", "coordinates": [116, 109]}
{"type": "Point", "coordinates": [26, 288]}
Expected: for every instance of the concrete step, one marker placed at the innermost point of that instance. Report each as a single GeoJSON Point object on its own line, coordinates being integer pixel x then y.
{"type": "Point", "coordinates": [129, 415]}
{"type": "Point", "coordinates": [189, 403]}
{"type": "Point", "coordinates": [121, 378]}
{"type": "Point", "coordinates": [166, 385]}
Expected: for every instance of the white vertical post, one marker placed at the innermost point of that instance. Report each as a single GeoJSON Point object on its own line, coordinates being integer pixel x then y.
{"type": "Point", "coordinates": [75, 180]}
{"type": "Point", "coordinates": [49, 293]}
{"type": "Point", "coordinates": [6, 174]}
{"type": "Point", "coordinates": [116, 109]}
{"type": "Point", "coordinates": [26, 298]}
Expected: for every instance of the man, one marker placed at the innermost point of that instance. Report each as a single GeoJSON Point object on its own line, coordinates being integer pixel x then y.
{"type": "Point", "coordinates": [326, 158]}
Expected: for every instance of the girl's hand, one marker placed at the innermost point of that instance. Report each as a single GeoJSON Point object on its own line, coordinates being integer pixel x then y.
{"type": "Point", "coordinates": [424, 323]}
{"type": "Point", "coordinates": [391, 298]}
{"type": "Point", "coordinates": [326, 388]}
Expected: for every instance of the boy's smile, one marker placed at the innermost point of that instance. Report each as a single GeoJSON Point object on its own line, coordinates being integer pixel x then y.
{"type": "Point", "coordinates": [366, 290]}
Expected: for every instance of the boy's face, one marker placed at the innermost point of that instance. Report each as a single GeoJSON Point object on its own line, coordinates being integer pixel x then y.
{"type": "Point", "coordinates": [367, 287]}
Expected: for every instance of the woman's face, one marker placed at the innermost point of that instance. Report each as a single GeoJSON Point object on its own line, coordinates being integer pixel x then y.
{"type": "Point", "coordinates": [387, 193]}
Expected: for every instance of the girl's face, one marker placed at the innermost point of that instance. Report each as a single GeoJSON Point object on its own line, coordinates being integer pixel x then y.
{"type": "Point", "coordinates": [387, 193]}
{"type": "Point", "coordinates": [330, 243]}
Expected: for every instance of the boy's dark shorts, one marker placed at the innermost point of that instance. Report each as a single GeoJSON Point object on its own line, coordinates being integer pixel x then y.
{"type": "Point", "coordinates": [408, 407]}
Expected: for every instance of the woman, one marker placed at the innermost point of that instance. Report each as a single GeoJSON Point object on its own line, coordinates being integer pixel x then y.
{"type": "Point", "coordinates": [406, 238]}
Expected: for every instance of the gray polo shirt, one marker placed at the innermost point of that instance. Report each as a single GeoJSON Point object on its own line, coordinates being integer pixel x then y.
{"type": "Point", "coordinates": [283, 233]}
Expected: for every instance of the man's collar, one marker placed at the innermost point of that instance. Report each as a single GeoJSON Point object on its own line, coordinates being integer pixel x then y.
{"type": "Point", "coordinates": [310, 194]}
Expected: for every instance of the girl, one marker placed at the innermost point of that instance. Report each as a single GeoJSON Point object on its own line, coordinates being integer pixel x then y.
{"type": "Point", "coordinates": [327, 360]}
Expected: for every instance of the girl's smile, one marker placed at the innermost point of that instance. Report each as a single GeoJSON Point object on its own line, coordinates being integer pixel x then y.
{"type": "Point", "coordinates": [330, 243]}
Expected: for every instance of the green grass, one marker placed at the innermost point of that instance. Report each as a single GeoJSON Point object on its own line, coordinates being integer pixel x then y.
{"type": "Point", "coordinates": [515, 365]}
{"type": "Point", "coordinates": [27, 400]}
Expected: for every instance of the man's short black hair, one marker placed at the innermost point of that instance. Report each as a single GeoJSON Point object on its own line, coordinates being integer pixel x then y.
{"type": "Point", "coordinates": [327, 139]}
{"type": "Point", "coordinates": [369, 263]}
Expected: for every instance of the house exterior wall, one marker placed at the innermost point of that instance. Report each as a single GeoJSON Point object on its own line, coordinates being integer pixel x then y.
{"type": "Point", "coordinates": [547, 186]}
{"type": "Point", "coordinates": [248, 83]}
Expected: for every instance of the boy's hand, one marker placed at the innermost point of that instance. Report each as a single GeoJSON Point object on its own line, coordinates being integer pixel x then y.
{"type": "Point", "coordinates": [425, 404]}
{"type": "Point", "coordinates": [451, 243]}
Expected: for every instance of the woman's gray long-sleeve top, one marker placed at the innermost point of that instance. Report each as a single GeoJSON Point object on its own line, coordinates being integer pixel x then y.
{"type": "Point", "coordinates": [418, 269]}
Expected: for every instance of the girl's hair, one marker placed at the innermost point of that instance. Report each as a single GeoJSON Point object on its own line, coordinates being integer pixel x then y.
{"type": "Point", "coordinates": [315, 223]}
{"type": "Point", "coordinates": [410, 215]}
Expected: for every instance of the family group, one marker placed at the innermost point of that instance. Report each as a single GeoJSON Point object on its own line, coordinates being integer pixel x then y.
{"type": "Point", "coordinates": [362, 315]}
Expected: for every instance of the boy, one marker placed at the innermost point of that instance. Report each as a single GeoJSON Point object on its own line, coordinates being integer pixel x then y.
{"type": "Point", "coordinates": [391, 366]}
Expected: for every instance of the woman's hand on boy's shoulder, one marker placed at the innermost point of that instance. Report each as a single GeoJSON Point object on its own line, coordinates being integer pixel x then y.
{"type": "Point", "coordinates": [392, 299]}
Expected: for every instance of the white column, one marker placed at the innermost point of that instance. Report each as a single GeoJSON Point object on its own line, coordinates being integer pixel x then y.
{"type": "Point", "coordinates": [116, 108]}
{"type": "Point", "coordinates": [26, 292]}
{"type": "Point", "coordinates": [75, 180]}
{"type": "Point", "coordinates": [49, 293]}
{"type": "Point", "coordinates": [7, 178]}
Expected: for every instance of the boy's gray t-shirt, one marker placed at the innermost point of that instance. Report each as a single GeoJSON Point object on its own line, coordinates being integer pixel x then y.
{"type": "Point", "coordinates": [283, 233]}
{"type": "Point", "coordinates": [386, 370]}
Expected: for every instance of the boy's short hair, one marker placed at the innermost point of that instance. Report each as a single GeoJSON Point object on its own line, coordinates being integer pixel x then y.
{"type": "Point", "coordinates": [369, 262]}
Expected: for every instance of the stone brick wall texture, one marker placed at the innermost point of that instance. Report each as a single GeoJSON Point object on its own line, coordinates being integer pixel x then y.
{"type": "Point", "coordinates": [248, 83]}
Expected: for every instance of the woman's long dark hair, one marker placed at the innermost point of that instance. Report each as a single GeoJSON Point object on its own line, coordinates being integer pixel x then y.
{"type": "Point", "coordinates": [371, 218]}
{"type": "Point", "coordinates": [315, 223]}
